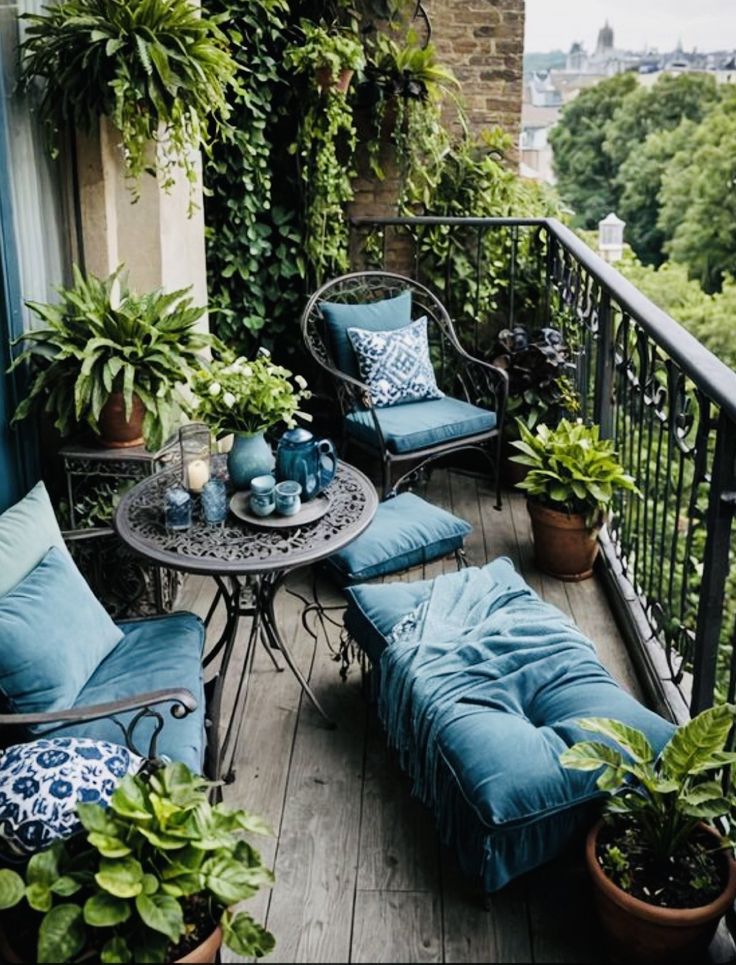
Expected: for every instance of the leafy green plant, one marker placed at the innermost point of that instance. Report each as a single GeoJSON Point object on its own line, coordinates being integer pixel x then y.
{"type": "Point", "coordinates": [335, 48]}
{"type": "Point", "coordinates": [238, 395]}
{"type": "Point", "coordinates": [659, 801]}
{"type": "Point", "coordinates": [159, 862]}
{"type": "Point", "coordinates": [102, 338]}
{"type": "Point", "coordinates": [157, 68]}
{"type": "Point", "coordinates": [570, 467]}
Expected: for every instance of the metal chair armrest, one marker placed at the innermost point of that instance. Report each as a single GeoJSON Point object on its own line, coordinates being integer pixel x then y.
{"type": "Point", "coordinates": [184, 703]}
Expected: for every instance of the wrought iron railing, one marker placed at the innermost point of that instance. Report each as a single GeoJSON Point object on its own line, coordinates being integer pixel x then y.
{"type": "Point", "coordinates": [668, 403]}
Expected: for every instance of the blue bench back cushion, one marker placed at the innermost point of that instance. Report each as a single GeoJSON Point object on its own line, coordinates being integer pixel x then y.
{"type": "Point", "coordinates": [406, 531]}
{"type": "Point", "coordinates": [54, 635]}
{"type": "Point", "coordinates": [387, 314]}
{"type": "Point", "coordinates": [28, 530]}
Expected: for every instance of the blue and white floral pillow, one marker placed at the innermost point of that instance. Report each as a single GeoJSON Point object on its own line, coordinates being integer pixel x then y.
{"type": "Point", "coordinates": [42, 781]}
{"type": "Point", "coordinates": [395, 364]}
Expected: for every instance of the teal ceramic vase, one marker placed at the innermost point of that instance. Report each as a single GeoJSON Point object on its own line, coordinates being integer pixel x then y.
{"type": "Point", "coordinates": [249, 457]}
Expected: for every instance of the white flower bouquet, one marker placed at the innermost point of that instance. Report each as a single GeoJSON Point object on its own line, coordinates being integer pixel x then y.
{"type": "Point", "coordinates": [247, 396]}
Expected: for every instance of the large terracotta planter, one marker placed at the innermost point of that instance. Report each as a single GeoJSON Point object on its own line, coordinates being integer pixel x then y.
{"type": "Point", "coordinates": [644, 933]}
{"type": "Point", "coordinates": [207, 951]}
{"type": "Point", "coordinates": [326, 82]}
{"type": "Point", "coordinates": [565, 545]}
{"type": "Point", "coordinates": [117, 432]}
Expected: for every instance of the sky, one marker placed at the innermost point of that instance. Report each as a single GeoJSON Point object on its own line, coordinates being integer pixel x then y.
{"type": "Point", "coordinates": [705, 24]}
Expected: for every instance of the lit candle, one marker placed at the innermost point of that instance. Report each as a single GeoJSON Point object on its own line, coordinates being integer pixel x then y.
{"type": "Point", "coordinates": [198, 472]}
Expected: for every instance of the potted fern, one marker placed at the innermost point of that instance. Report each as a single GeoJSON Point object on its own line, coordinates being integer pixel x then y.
{"type": "Point", "coordinates": [159, 70]}
{"type": "Point", "coordinates": [572, 477]}
{"type": "Point", "coordinates": [663, 875]}
{"type": "Point", "coordinates": [333, 54]}
{"type": "Point", "coordinates": [112, 360]}
{"type": "Point", "coordinates": [153, 878]}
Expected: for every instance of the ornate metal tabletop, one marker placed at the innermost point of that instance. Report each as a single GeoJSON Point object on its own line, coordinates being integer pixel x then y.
{"type": "Point", "coordinates": [238, 548]}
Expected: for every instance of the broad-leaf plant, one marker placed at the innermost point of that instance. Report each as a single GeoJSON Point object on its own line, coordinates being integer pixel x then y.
{"type": "Point", "coordinates": [158, 862]}
{"type": "Point", "coordinates": [657, 802]}
{"type": "Point", "coordinates": [571, 468]}
{"type": "Point", "coordinates": [102, 338]}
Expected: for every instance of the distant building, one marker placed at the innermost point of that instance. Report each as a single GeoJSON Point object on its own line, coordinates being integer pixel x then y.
{"type": "Point", "coordinates": [542, 92]}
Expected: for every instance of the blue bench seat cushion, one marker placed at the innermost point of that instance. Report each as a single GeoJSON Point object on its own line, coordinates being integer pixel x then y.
{"type": "Point", "coordinates": [420, 425]}
{"type": "Point", "coordinates": [154, 654]}
{"type": "Point", "coordinates": [388, 314]}
{"type": "Point", "coordinates": [54, 634]}
{"type": "Point", "coordinates": [500, 796]}
{"type": "Point", "coordinates": [406, 531]}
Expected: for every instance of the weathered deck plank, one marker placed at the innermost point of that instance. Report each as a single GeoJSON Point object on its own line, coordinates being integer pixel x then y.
{"type": "Point", "coordinates": [361, 876]}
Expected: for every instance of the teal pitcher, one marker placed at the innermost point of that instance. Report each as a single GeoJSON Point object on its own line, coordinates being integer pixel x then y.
{"type": "Point", "coordinates": [306, 460]}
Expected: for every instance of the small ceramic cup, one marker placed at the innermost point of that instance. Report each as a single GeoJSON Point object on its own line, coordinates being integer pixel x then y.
{"type": "Point", "coordinates": [288, 502]}
{"type": "Point", "coordinates": [262, 495]}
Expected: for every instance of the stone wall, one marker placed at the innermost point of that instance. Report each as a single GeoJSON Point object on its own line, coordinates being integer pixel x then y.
{"type": "Point", "coordinates": [482, 41]}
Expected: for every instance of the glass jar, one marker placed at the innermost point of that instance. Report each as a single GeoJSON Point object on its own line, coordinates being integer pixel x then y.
{"type": "Point", "coordinates": [195, 444]}
{"type": "Point", "coordinates": [177, 508]}
{"type": "Point", "coordinates": [214, 502]}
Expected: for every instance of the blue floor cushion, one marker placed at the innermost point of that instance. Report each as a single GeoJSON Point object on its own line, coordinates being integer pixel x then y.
{"type": "Point", "coordinates": [479, 685]}
{"type": "Point", "coordinates": [42, 781]}
{"type": "Point", "coordinates": [154, 654]}
{"type": "Point", "coordinates": [419, 425]}
{"type": "Point", "coordinates": [406, 531]}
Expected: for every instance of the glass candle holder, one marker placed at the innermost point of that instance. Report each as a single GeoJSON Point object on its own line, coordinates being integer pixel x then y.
{"type": "Point", "coordinates": [195, 444]}
{"type": "Point", "coordinates": [177, 508]}
{"type": "Point", "coordinates": [214, 502]}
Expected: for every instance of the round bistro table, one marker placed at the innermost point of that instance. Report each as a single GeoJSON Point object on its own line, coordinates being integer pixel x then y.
{"type": "Point", "coordinates": [249, 564]}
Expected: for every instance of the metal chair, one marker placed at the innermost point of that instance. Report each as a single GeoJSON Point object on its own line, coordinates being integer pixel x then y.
{"type": "Point", "coordinates": [460, 375]}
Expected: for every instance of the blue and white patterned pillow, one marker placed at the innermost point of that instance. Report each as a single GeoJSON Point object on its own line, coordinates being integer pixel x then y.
{"type": "Point", "coordinates": [396, 364]}
{"type": "Point", "coordinates": [42, 781]}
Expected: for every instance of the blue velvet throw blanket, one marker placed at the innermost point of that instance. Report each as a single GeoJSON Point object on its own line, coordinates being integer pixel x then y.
{"type": "Point", "coordinates": [469, 648]}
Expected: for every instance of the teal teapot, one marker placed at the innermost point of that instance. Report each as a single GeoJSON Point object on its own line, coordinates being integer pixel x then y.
{"type": "Point", "coordinates": [306, 460]}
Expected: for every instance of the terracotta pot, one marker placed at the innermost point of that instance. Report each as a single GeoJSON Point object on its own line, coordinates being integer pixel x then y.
{"type": "Point", "coordinates": [640, 932]}
{"type": "Point", "coordinates": [207, 951]}
{"type": "Point", "coordinates": [117, 432]}
{"type": "Point", "coordinates": [565, 545]}
{"type": "Point", "coordinates": [325, 80]}
{"type": "Point", "coordinates": [512, 472]}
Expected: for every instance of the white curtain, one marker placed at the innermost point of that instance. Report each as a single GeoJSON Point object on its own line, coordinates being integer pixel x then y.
{"type": "Point", "coordinates": [42, 222]}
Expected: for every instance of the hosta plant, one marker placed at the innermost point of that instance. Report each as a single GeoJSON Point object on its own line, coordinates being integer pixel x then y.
{"type": "Point", "coordinates": [159, 69]}
{"type": "Point", "coordinates": [150, 877]}
{"type": "Point", "coordinates": [102, 338]}
{"type": "Point", "coordinates": [571, 468]}
{"type": "Point", "coordinates": [657, 803]}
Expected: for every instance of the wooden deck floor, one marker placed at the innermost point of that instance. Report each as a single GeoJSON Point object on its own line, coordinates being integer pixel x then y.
{"type": "Point", "coordinates": [360, 874]}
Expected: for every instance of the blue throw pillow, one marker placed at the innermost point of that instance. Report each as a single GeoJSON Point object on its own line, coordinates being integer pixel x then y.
{"type": "Point", "coordinates": [27, 531]}
{"type": "Point", "coordinates": [54, 635]}
{"type": "Point", "coordinates": [388, 314]}
{"type": "Point", "coordinates": [405, 531]}
{"type": "Point", "coordinates": [42, 782]}
{"type": "Point", "coordinates": [396, 365]}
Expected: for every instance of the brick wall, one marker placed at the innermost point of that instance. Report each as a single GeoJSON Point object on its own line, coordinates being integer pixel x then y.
{"type": "Point", "coordinates": [482, 41]}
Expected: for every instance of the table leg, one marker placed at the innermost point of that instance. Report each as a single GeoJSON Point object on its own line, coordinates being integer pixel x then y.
{"type": "Point", "coordinates": [269, 586]}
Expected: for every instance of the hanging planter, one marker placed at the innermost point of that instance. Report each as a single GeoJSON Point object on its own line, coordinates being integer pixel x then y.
{"type": "Point", "coordinates": [331, 54]}
{"type": "Point", "coordinates": [326, 80]}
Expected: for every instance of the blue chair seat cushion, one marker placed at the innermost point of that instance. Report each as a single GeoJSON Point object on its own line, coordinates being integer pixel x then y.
{"type": "Point", "coordinates": [503, 800]}
{"type": "Point", "coordinates": [406, 531]}
{"type": "Point", "coordinates": [420, 425]}
{"type": "Point", "coordinates": [388, 314]}
{"type": "Point", "coordinates": [42, 781]}
{"type": "Point", "coordinates": [157, 653]}
{"type": "Point", "coordinates": [54, 635]}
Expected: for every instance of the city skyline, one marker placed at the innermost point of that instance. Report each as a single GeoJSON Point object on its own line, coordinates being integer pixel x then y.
{"type": "Point", "coordinates": [659, 24]}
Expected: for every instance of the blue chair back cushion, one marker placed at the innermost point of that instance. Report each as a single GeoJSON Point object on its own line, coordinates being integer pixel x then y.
{"type": "Point", "coordinates": [158, 653]}
{"type": "Point", "coordinates": [406, 531]}
{"type": "Point", "coordinates": [419, 425]}
{"type": "Point", "coordinates": [504, 801]}
{"type": "Point", "coordinates": [41, 783]}
{"type": "Point", "coordinates": [28, 530]}
{"type": "Point", "coordinates": [387, 314]}
{"type": "Point", "coordinates": [54, 635]}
